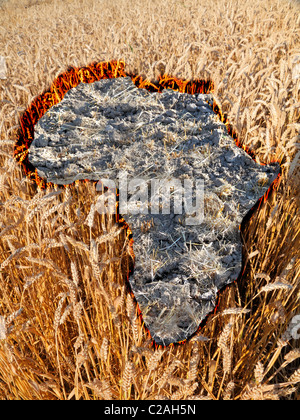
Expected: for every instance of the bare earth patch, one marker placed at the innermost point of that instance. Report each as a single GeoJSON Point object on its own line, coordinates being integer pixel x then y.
{"type": "Point", "coordinates": [112, 130]}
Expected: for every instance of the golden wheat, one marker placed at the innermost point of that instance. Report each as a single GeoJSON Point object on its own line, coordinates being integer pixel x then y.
{"type": "Point", "coordinates": [68, 327]}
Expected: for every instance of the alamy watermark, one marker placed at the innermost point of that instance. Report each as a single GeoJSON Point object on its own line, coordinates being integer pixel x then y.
{"type": "Point", "coordinates": [294, 327]}
{"type": "Point", "coordinates": [152, 196]}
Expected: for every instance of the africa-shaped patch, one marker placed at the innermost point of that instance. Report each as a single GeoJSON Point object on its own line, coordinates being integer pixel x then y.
{"type": "Point", "coordinates": [184, 188]}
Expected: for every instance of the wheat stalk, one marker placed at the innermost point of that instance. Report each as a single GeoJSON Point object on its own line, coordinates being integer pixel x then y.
{"type": "Point", "coordinates": [75, 274]}
{"type": "Point", "coordinates": [57, 315]}
{"type": "Point", "coordinates": [275, 286]}
{"type": "Point", "coordinates": [101, 388]}
{"type": "Point", "coordinates": [194, 362]}
{"type": "Point", "coordinates": [259, 373]}
{"type": "Point", "coordinates": [3, 331]}
{"type": "Point", "coordinates": [154, 359]}
{"type": "Point", "coordinates": [127, 377]}
{"type": "Point", "coordinates": [235, 311]}
{"type": "Point", "coordinates": [104, 349]}
{"type": "Point", "coordinates": [223, 345]}
{"type": "Point", "coordinates": [295, 377]}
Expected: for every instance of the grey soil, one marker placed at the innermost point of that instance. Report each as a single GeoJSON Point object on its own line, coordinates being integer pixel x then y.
{"type": "Point", "coordinates": [112, 130]}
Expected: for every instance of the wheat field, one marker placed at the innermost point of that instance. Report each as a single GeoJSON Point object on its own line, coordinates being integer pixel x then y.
{"type": "Point", "coordinates": [68, 326]}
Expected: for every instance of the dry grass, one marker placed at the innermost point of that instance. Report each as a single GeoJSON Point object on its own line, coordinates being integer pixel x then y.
{"type": "Point", "coordinates": [68, 327]}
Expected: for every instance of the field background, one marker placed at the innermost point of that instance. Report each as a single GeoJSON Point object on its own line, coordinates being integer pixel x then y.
{"type": "Point", "coordinates": [68, 328]}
